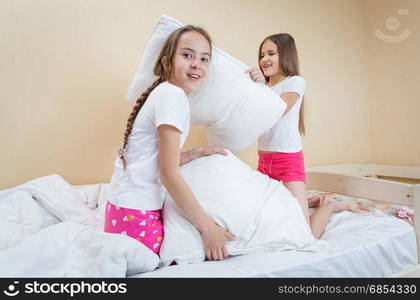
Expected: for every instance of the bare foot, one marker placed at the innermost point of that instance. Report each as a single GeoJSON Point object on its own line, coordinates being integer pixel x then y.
{"type": "Point", "coordinates": [314, 201]}
{"type": "Point", "coordinates": [336, 205]}
{"type": "Point", "coordinates": [317, 200]}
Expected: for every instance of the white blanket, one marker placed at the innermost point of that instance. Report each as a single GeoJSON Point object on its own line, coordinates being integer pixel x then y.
{"type": "Point", "coordinates": [48, 229]}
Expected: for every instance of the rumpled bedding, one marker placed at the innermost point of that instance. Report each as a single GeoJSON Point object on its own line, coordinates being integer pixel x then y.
{"type": "Point", "coordinates": [50, 228]}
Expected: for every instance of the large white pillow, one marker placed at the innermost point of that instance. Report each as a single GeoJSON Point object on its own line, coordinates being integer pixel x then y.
{"type": "Point", "coordinates": [236, 110]}
{"type": "Point", "coordinates": [258, 210]}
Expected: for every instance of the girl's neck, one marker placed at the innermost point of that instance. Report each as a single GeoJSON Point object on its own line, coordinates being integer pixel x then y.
{"type": "Point", "coordinates": [273, 80]}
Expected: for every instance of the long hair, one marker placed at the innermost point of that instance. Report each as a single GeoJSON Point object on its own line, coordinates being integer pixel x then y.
{"type": "Point", "coordinates": [163, 70]}
{"type": "Point", "coordinates": [288, 63]}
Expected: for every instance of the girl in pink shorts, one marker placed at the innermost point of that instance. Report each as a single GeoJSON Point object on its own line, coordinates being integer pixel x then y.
{"type": "Point", "coordinates": [280, 149]}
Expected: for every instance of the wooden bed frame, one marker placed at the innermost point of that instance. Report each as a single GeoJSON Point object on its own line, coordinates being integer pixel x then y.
{"type": "Point", "coordinates": [364, 181]}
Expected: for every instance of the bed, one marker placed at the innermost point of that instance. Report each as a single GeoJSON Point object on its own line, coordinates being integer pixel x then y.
{"type": "Point", "coordinates": [365, 243]}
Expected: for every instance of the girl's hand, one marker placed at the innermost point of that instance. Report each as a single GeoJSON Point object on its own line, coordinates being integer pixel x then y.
{"type": "Point", "coordinates": [256, 75]}
{"type": "Point", "coordinates": [214, 238]}
{"type": "Point", "coordinates": [205, 151]}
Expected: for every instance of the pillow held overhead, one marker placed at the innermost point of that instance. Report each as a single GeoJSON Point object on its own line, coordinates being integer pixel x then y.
{"type": "Point", "coordinates": [236, 110]}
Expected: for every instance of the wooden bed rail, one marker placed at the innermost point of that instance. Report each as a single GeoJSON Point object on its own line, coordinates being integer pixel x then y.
{"type": "Point", "coordinates": [371, 170]}
{"type": "Point", "coordinates": [364, 187]}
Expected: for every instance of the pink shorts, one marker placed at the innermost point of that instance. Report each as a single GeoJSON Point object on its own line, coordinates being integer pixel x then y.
{"type": "Point", "coordinates": [282, 166]}
{"type": "Point", "coordinates": [146, 226]}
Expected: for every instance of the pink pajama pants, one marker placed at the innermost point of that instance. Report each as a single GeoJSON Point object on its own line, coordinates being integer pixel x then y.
{"type": "Point", "coordinates": [146, 226]}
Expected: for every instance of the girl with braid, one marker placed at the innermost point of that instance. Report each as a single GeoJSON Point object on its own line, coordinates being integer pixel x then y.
{"type": "Point", "coordinates": [148, 163]}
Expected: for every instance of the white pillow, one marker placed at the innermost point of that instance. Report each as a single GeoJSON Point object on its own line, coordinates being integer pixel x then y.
{"type": "Point", "coordinates": [236, 110]}
{"type": "Point", "coordinates": [258, 210]}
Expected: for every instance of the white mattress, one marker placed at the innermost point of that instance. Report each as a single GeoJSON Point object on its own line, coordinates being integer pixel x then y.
{"type": "Point", "coordinates": [371, 244]}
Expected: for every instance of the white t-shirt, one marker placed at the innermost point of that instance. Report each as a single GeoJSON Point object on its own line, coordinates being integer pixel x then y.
{"type": "Point", "coordinates": [284, 136]}
{"type": "Point", "coordinates": [139, 186]}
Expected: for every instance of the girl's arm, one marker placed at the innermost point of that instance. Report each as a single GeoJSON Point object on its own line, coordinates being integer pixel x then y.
{"type": "Point", "coordinates": [194, 153]}
{"type": "Point", "coordinates": [290, 98]}
{"type": "Point", "coordinates": [214, 236]}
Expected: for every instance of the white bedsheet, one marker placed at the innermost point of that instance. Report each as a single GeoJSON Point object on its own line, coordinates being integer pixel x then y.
{"type": "Point", "coordinates": [353, 245]}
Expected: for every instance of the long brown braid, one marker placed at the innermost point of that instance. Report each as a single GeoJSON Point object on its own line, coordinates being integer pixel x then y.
{"type": "Point", "coordinates": [163, 70]}
{"type": "Point", "coordinates": [139, 103]}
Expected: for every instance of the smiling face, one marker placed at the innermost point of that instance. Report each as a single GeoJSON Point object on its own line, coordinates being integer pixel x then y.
{"type": "Point", "coordinates": [190, 62]}
{"type": "Point", "coordinates": [269, 59]}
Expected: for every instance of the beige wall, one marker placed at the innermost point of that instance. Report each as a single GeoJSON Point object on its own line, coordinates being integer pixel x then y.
{"type": "Point", "coordinates": [65, 67]}
{"type": "Point", "coordinates": [395, 76]}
